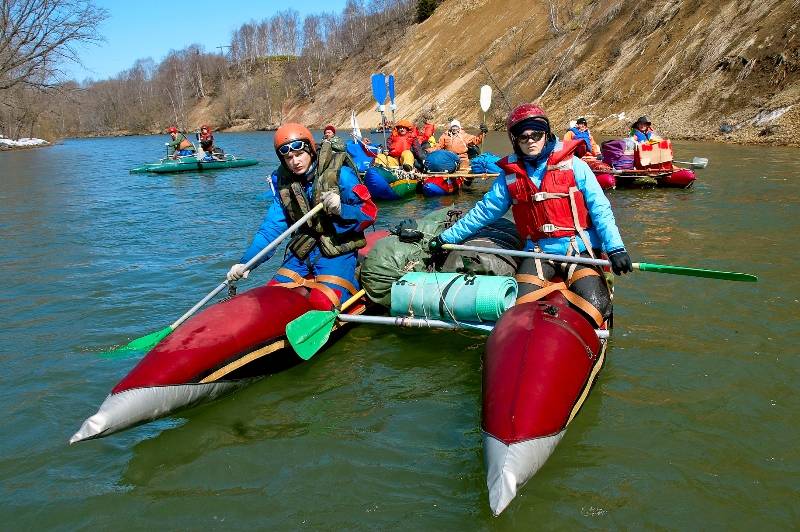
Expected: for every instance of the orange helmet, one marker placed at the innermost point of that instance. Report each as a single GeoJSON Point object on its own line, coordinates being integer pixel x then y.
{"type": "Point", "coordinates": [404, 123]}
{"type": "Point", "coordinates": [292, 131]}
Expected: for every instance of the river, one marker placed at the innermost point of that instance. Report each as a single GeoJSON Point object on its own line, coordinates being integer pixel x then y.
{"type": "Point", "coordinates": [692, 424]}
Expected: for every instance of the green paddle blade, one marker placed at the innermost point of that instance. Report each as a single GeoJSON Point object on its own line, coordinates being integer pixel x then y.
{"type": "Point", "coordinates": [142, 344]}
{"type": "Point", "coordinates": [695, 272]}
{"type": "Point", "coordinates": [308, 333]}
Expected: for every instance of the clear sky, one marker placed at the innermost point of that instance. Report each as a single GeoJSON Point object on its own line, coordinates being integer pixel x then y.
{"type": "Point", "coordinates": [137, 29]}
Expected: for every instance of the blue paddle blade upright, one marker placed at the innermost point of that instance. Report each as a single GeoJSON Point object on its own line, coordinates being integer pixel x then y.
{"type": "Point", "coordinates": [379, 88]}
{"type": "Point", "coordinates": [391, 88]}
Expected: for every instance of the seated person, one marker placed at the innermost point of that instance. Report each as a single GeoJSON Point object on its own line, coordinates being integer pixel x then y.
{"type": "Point", "coordinates": [399, 146]}
{"type": "Point", "coordinates": [581, 131]}
{"type": "Point", "coordinates": [179, 145]}
{"type": "Point", "coordinates": [458, 142]}
{"type": "Point", "coordinates": [642, 130]}
{"type": "Point", "coordinates": [329, 135]}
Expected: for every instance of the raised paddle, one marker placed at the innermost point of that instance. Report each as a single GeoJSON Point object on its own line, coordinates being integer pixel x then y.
{"type": "Point", "coordinates": [486, 100]}
{"type": "Point", "coordinates": [146, 343]}
{"type": "Point", "coordinates": [697, 162]}
{"type": "Point", "coordinates": [310, 331]}
{"type": "Point", "coordinates": [379, 93]}
{"type": "Point", "coordinates": [392, 106]}
{"type": "Point", "coordinates": [640, 266]}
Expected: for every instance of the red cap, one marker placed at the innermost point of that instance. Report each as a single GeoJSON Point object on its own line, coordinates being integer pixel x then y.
{"type": "Point", "coordinates": [172, 129]}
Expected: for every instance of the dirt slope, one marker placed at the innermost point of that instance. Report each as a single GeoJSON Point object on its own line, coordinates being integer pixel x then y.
{"type": "Point", "coordinates": [691, 65]}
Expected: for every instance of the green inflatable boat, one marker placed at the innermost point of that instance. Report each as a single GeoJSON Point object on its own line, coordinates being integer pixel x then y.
{"type": "Point", "coordinates": [190, 163]}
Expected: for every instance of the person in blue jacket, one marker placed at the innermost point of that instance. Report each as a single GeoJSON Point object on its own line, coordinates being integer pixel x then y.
{"type": "Point", "coordinates": [322, 255]}
{"type": "Point", "coordinates": [558, 207]}
{"type": "Point", "coordinates": [642, 130]}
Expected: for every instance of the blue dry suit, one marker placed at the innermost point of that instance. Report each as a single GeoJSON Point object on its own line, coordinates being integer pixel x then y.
{"type": "Point", "coordinates": [358, 213]}
{"type": "Point", "coordinates": [584, 136]}
{"type": "Point", "coordinates": [603, 234]}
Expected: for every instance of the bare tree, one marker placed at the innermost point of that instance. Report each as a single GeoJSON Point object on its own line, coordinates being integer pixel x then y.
{"type": "Point", "coordinates": [38, 36]}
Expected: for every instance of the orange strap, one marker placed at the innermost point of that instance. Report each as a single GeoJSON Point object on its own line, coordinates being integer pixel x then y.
{"type": "Point", "coordinates": [580, 274]}
{"type": "Point", "coordinates": [548, 287]}
{"type": "Point", "coordinates": [339, 281]}
{"type": "Point", "coordinates": [308, 283]}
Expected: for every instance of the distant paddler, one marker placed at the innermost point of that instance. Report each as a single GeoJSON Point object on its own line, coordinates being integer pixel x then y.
{"type": "Point", "coordinates": [179, 145]}
{"type": "Point", "coordinates": [558, 207]}
{"type": "Point", "coordinates": [581, 131]}
{"type": "Point", "coordinates": [642, 130]}
{"type": "Point", "coordinates": [329, 135]}
{"type": "Point", "coordinates": [459, 141]}
{"type": "Point", "coordinates": [321, 257]}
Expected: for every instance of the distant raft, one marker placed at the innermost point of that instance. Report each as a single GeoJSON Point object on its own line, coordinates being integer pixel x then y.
{"type": "Point", "coordinates": [190, 163]}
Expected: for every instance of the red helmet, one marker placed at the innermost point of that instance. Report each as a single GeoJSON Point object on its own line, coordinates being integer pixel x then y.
{"type": "Point", "coordinates": [291, 131]}
{"type": "Point", "coordinates": [205, 127]}
{"type": "Point", "coordinates": [172, 129]}
{"type": "Point", "coordinates": [523, 112]}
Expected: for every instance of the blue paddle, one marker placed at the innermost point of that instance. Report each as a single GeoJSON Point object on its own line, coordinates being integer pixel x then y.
{"type": "Point", "coordinates": [392, 106]}
{"type": "Point", "coordinates": [379, 93]}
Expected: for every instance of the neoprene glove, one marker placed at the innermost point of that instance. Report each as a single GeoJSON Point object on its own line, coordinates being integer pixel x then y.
{"type": "Point", "coordinates": [436, 246]}
{"type": "Point", "coordinates": [620, 262]}
{"type": "Point", "coordinates": [332, 203]}
{"type": "Point", "coordinates": [237, 272]}
{"type": "Point", "coordinates": [484, 129]}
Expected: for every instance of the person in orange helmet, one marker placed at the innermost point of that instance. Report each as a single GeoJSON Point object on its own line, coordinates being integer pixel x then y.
{"type": "Point", "coordinates": [321, 257]}
{"type": "Point", "coordinates": [399, 146]}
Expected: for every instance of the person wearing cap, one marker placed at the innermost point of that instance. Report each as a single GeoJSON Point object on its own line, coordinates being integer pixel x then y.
{"type": "Point", "coordinates": [642, 130]}
{"type": "Point", "coordinates": [458, 141]}
{"type": "Point", "coordinates": [558, 207]}
{"type": "Point", "coordinates": [329, 135]}
{"type": "Point", "coordinates": [581, 131]}
{"type": "Point", "coordinates": [399, 146]}
{"type": "Point", "coordinates": [321, 257]}
{"type": "Point", "coordinates": [179, 145]}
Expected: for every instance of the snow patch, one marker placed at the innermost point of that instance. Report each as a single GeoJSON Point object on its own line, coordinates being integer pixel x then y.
{"type": "Point", "coordinates": [765, 117]}
{"type": "Point", "coordinates": [22, 142]}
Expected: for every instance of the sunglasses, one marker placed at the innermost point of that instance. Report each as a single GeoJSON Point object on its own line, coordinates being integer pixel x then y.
{"type": "Point", "coordinates": [295, 145]}
{"type": "Point", "coordinates": [535, 136]}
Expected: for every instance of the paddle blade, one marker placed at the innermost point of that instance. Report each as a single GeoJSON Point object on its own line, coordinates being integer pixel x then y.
{"type": "Point", "coordinates": [142, 344]}
{"type": "Point", "coordinates": [391, 88]}
{"type": "Point", "coordinates": [486, 98]}
{"type": "Point", "coordinates": [695, 272]}
{"type": "Point", "coordinates": [699, 162]}
{"type": "Point", "coordinates": [379, 88]}
{"type": "Point", "coordinates": [308, 333]}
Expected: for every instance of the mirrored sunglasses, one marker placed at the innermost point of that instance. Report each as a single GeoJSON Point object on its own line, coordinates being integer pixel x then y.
{"type": "Point", "coordinates": [535, 136]}
{"type": "Point", "coordinates": [295, 145]}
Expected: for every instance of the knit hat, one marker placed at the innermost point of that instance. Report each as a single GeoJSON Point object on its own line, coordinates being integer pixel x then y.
{"type": "Point", "coordinates": [455, 123]}
{"type": "Point", "coordinates": [329, 126]}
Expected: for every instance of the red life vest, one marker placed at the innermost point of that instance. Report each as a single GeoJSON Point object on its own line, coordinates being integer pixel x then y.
{"type": "Point", "coordinates": [556, 209]}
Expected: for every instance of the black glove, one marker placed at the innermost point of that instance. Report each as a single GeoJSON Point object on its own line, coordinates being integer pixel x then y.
{"type": "Point", "coordinates": [484, 129]}
{"type": "Point", "coordinates": [436, 246]}
{"type": "Point", "coordinates": [620, 262]}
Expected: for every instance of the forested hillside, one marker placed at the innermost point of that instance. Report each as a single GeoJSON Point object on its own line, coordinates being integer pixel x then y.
{"type": "Point", "coordinates": [701, 69]}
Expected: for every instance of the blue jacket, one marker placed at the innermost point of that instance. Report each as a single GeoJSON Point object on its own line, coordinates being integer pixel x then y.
{"type": "Point", "coordinates": [358, 213]}
{"type": "Point", "coordinates": [638, 136]}
{"type": "Point", "coordinates": [583, 135]}
{"type": "Point", "coordinates": [603, 234]}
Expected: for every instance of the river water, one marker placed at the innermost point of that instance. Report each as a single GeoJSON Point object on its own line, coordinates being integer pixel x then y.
{"type": "Point", "coordinates": [692, 424]}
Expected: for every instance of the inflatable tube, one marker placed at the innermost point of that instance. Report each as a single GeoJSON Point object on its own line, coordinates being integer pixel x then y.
{"type": "Point", "coordinates": [440, 186]}
{"type": "Point", "coordinates": [606, 181]}
{"type": "Point", "coordinates": [541, 361]}
{"type": "Point", "coordinates": [386, 184]}
{"type": "Point", "coordinates": [679, 178]}
{"type": "Point", "coordinates": [453, 296]}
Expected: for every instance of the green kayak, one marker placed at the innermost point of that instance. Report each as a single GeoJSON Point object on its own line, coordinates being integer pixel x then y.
{"type": "Point", "coordinates": [190, 164]}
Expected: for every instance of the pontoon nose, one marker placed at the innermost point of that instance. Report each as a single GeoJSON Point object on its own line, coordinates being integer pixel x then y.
{"type": "Point", "coordinates": [510, 466]}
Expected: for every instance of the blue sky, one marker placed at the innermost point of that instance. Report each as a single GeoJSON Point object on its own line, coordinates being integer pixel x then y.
{"type": "Point", "coordinates": [150, 28]}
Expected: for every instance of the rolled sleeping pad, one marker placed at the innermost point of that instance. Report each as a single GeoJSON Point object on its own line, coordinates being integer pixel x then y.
{"type": "Point", "coordinates": [453, 296]}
